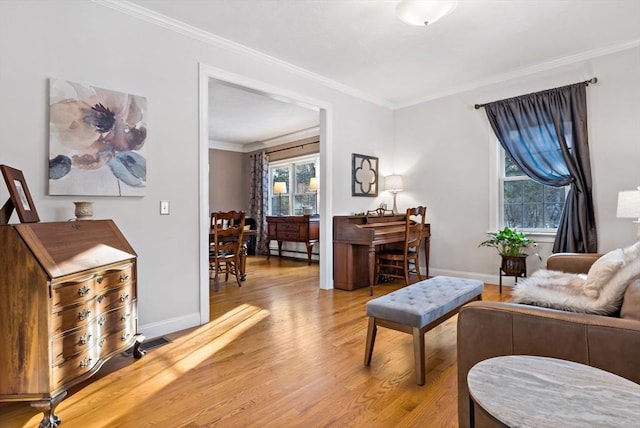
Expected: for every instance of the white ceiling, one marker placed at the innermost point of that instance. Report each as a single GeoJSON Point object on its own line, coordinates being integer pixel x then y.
{"type": "Point", "coordinates": [241, 120]}
{"type": "Point", "coordinates": [360, 47]}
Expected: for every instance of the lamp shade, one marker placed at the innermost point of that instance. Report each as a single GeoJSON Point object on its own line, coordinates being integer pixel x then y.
{"type": "Point", "coordinates": [629, 204]}
{"type": "Point", "coordinates": [424, 12]}
{"type": "Point", "coordinates": [313, 184]}
{"type": "Point", "coordinates": [279, 187]}
{"type": "Point", "coordinates": [393, 183]}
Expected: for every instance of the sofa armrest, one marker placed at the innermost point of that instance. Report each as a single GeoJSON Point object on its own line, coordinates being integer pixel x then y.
{"type": "Point", "coordinates": [572, 262]}
{"type": "Point", "coordinates": [490, 329]}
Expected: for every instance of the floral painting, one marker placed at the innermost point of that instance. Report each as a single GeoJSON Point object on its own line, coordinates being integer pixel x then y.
{"type": "Point", "coordinates": [96, 141]}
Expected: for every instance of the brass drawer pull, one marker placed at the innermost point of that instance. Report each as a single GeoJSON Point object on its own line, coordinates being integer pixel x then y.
{"type": "Point", "coordinates": [85, 363]}
{"type": "Point", "coordinates": [124, 297]}
{"type": "Point", "coordinates": [101, 321]}
{"type": "Point", "coordinates": [100, 279]}
{"type": "Point", "coordinates": [85, 338]}
{"type": "Point", "coordinates": [124, 277]}
{"type": "Point", "coordinates": [101, 343]}
{"type": "Point", "coordinates": [125, 317]}
{"type": "Point", "coordinates": [100, 298]}
{"type": "Point", "coordinates": [84, 314]}
{"type": "Point", "coordinates": [84, 291]}
{"type": "Point", "coordinates": [125, 336]}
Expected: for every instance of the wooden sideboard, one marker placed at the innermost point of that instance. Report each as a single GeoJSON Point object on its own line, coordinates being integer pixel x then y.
{"type": "Point", "coordinates": [68, 302]}
{"type": "Point", "coordinates": [293, 228]}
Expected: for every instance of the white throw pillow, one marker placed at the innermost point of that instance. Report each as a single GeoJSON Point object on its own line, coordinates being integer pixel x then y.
{"type": "Point", "coordinates": [632, 252]}
{"type": "Point", "coordinates": [601, 272]}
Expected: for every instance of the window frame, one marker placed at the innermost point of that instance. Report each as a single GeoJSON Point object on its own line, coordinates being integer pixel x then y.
{"type": "Point", "coordinates": [291, 164]}
{"type": "Point", "coordinates": [496, 197]}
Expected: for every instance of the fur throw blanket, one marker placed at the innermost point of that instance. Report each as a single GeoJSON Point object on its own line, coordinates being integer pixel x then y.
{"type": "Point", "coordinates": [566, 291]}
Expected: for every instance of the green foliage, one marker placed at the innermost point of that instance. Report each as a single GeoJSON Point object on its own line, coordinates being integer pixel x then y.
{"type": "Point", "coordinates": [508, 242]}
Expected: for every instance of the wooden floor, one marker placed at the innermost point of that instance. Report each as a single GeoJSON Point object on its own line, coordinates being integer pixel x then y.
{"type": "Point", "coordinates": [279, 352]}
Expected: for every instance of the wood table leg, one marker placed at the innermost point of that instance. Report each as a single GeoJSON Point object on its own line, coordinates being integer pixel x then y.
{"type": "Point", "coordinates": [372, 267]}
{"type": "Point", "coordinates": [243, 262]}
{"type": "Point", "coordinates": [309, 248]}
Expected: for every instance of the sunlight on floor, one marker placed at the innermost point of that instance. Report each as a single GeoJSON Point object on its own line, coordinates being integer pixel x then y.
{"type": "Point", "coordinates": [167, 365]}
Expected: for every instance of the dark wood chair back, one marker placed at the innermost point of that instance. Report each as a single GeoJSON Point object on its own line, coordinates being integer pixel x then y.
{"type": "Point", "coordinates": [225, 243]}
{"type": "Point", "coordinates": [396, 261]}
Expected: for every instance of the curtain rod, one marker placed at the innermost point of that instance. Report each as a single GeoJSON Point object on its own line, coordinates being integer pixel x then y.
{"type": "Point", "coordinates": [294, 147]}
{"type": "Point", "coordinates": [592, 81]}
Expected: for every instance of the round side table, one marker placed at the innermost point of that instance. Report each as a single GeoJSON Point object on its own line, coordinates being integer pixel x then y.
{"type": "Point", "coordinates": [527, 391]}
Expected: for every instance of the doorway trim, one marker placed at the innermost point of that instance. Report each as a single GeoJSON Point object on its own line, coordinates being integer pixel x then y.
{"type": "Point", "coordinates": [324, 108]}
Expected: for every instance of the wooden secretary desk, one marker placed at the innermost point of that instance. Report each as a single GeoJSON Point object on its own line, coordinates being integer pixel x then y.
{"type": "Point", "coordinates": [68, 302]}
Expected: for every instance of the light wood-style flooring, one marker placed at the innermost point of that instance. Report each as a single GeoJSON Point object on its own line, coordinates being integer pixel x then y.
{"type": "Point", "coordinates": [278, 352]}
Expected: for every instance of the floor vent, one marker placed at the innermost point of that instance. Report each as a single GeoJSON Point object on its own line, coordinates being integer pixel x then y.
{"type": "Point", "coordinates": [148, 344]}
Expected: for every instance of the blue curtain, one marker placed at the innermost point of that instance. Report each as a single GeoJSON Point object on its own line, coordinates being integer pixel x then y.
{"type": "Point", "coordinates": [545, 134]}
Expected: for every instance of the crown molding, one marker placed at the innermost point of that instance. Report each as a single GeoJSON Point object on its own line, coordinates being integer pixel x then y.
{"type": "Point", "coordinates": [545, 66]}
{"type": "Point", "coordinates": [150, 16]}
{"type": "Point", "coordinates": [314, 131]}
{"type": "Point", "coordinates": [180, 27]}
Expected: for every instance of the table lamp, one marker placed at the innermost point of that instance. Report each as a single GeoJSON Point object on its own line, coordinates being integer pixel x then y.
{"type": "Point", "coordinates": [393, 184]}
{"type": "Point", "coordinates": [313, 186]}
{"type": "Point", "coordinates": [279, 187]}
{"type": "Point", "coordinates": [629, 206]}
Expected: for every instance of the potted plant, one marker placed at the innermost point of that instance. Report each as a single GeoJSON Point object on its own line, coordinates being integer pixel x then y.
{"type": "Point", "coordinates": [511, 245]}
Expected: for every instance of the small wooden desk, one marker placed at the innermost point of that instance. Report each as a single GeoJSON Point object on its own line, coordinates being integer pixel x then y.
{"type": "Point", "coordinates": [528, 391]}
{"type": "Point", "coordinates": [355, 239]}
{"type": "Point", "coordinates": [293, 228]}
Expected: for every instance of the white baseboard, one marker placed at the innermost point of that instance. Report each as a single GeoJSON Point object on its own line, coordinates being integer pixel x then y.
{"type": "Point", "coordinates": [507, 281]}
{"type": "Point", "coordinates": [171, 325]}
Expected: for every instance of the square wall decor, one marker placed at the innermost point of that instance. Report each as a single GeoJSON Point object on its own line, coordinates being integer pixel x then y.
{"type": "Point", "coordinates": [96, 141]}
{"type": "Point", "coordinates": [364, 175]}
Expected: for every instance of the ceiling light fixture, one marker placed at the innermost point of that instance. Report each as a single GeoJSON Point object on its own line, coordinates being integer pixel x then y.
{"type": "Point", "coordinates": [424, 12]}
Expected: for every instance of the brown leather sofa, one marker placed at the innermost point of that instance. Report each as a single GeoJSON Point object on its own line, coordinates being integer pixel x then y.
{"type": "Point", "coordinates": [490, 329]}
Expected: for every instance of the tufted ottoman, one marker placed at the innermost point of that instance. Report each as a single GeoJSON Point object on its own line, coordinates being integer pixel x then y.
{"type": "Point", "coordinates": [418, 308]}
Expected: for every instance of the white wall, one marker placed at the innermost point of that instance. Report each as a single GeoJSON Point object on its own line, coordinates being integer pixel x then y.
{"type": "Point", "coordinates": [442, 147]}
{"type": "Point", "coordinates": [93, 44]}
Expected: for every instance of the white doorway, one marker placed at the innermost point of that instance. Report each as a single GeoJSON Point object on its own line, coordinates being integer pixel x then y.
{"type": "Point", "coordinates": [324, 109]}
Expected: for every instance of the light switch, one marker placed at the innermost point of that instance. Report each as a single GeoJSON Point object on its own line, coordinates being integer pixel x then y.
{"type": "Point", "coordinates": [164, 207]}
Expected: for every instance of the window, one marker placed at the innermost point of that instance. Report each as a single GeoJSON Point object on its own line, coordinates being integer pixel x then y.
{"type": "Point", "coordinates": [525, 203]}
{"type": "Point", "coordinates": [297, 198]}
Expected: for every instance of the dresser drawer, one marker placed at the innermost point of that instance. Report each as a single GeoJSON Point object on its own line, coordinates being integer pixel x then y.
{"type": "Point", "coordinates": [114, 298]}
{"type": "Point", "coordinates": [73, 317]}
{"type": "Point", "coordinates": [74, 366]}
{"type": "Point", "coordinates": [75, 341]}
{"type": "Point", "coordinates": [71, 292]}
{"type": "Point", "coordinates": [288, 236]}
{"type": "Point", "coordinates": [115, 277]}
{"type": "Point", "coordinates": [117, 341]}
{"type": "Point", "coordinates": [288, 227]}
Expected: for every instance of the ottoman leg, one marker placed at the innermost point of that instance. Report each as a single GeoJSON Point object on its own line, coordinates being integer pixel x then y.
{"type": "Point", "coordinates": [418, 355]}
{"type": "Point", "coordinates": [371, 339]}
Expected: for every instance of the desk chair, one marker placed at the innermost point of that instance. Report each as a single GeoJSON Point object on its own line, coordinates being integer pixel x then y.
{"type": "Point", "coordinates": [396, 262]}
{"type": "Point", "coordinates": [225, 244]}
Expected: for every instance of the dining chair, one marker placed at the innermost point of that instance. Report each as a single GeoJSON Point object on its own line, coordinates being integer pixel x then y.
{"type": "Point", "coordinates": [225, 244]}
{"type": "Point", "coordinates": [396, 261]}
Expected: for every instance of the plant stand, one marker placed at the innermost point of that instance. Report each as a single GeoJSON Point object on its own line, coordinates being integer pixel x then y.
{"type": "Point", "coordinates": [515, 266]}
